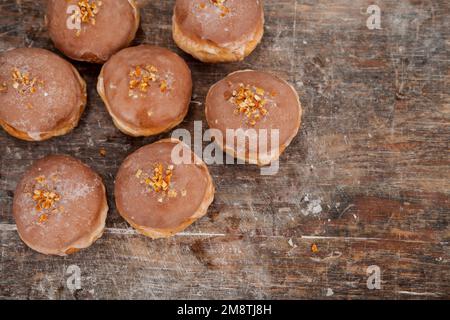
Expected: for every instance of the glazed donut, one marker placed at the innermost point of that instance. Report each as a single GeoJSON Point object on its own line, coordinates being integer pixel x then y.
{"type": "Point", "coordinates": [218, 30]}
{"type": "Point", "coordinates": [60, 206]}
{"type": "Point", "coordinates": [159, 196]}
{"type": "Point", "coordinates": [92, 30]}
{"type": "Point", "coordinates": [41, 95]}
{"type": "Point", "coordinates": [146, 89]}
{"type": "Point", "coordinates": [254, 100]}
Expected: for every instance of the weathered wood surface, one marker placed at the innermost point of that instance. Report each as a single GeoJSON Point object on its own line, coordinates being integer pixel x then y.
{"type": "Point", "coordinates": [367, 179]}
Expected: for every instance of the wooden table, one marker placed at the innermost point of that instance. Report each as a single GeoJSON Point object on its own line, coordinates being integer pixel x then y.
{"type": "Point", "coordinates": [366, 181]}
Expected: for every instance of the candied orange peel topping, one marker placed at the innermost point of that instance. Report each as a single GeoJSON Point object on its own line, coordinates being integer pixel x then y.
{"type": "Point", "coordinates": [24, 82]}
{"type": "Point", "coordinates": [88, 10]}
{"type": "Point", "coordinates": [45, 198]}
{"type": "Point", "coordinates": [163, 86]}
{"type": "Point", "coordinates": [43, 217]}
{"type": "Point", "coordinates": [221, 5]}
{"type": "Point", "coordinates": [141, 77]}
{"type": "Point", "coordinates": [249, 101]}
{"type": "Point", "coordinates": [160, 179]}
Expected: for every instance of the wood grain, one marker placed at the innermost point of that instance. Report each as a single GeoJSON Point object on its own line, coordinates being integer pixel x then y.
{"type": "Point", "coordinates": [367, 179]}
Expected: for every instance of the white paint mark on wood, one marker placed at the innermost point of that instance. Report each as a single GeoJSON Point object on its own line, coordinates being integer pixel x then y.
{"type": "Point", "coordinates": [334, 255]}
{"type": "Point", "coordinates": [12, 227]}
{"type": "Point", "coordinates": [360, 239]}
{"type": "Point", "coordinates": [412, 293]}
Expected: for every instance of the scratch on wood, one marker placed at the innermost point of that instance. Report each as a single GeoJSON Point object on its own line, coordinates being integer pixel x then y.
{"type": "Point", "coordinates": [12, 227]}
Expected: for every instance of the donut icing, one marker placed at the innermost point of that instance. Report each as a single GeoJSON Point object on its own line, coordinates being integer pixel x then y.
{"type": "Point", "coordinates": [92, 30]}
{"type": "Point", "coordinates": [253, 100]}
{"type": "Point", "coordinates": [59, 205]}
{"type": "Point", "coordinates": [147, 89]}
{"type": "Point", "coordinates": [159, 197]}
{"type": "Point", "coordinates": [41, 94]}
{"type": "Point", "coordinates": [218, 30]}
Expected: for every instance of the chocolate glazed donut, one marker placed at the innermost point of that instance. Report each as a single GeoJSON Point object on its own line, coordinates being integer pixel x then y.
{"type": "Point", "coordinates": [158, 196]}
{"type": "Point", "coordinates": [146, 89]}
{"type": "Point", "coordinates": [218, 30]}
{"type": "Point", "coordinates": [92, 30]}
{"type": "Point", "coordinates": [41, 94]}
{"type": "Point", "coordinates": [254, 100]}
{"type": "Point", "coordinates": [60, 206]}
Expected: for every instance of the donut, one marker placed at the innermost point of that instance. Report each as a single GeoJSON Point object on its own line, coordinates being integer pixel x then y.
{"type": "Point", "coordinates": [159, 196]}
{"type": "Point", "coordinates": [216, 31]}
{"type": "Point", "coordinates": [59, 206]}
{"type": "Point", "coordinates": [92, 30]}
{"type": "Point", "coordinates": [41, 95]}
{"type": "Point", "coordinates": [146, 89]}
{"type": "Point", "coordinates": [246, 100]}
